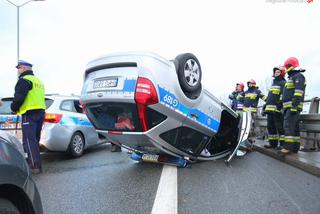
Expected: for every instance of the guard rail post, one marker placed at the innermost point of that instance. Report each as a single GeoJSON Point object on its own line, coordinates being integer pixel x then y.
{"type": "Point", "coordinates": [310, 127]}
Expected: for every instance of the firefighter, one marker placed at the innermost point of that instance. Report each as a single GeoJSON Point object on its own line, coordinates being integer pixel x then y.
{"type": "Point", "coordinates": [235, 103]}
{"type": "Point", "coordinates": [273, 109]}
{"type": "Point", "coordinates": [293, 96]}
{"type": "Point", "coordinates": [251, 97]}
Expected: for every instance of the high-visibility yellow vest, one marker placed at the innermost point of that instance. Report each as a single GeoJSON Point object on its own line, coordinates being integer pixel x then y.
{"type": "Point", "coordinates": [35, 98]}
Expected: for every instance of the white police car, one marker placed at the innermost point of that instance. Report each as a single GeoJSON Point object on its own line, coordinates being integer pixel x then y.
{"type": "Point", "coordinates": [66, 128]}
{"type": "Point", "coordinates": [154, 106]}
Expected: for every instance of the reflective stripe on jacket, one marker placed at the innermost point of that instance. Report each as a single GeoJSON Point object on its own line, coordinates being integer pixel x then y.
{"type": "Point", "coordinates": [235, 103]}
{"type": "Point", "coordinates": [273, 103]}
{"type": "Point", "coordinates": [293, 92]}
{"type": "Point", "coordinates": [250, 99]}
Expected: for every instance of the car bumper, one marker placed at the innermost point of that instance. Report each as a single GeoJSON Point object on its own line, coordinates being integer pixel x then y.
{"type": "Point", "coordinates": [55, 137]}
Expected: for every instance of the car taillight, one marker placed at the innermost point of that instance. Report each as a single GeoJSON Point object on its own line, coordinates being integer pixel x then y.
{"type": "Point", "coordinates": [145, 95]}
{"type": "Point", "coordinates": [52, 118]}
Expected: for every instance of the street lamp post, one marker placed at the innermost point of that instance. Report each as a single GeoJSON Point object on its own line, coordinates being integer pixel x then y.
{"type": "Point", "coordinates": [18, 23]}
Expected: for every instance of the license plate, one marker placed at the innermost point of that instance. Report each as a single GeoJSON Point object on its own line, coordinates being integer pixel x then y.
{"type": "Point", "coordinates": [150, 158]}
{"type": "Point", "coordinates": [105, 83]}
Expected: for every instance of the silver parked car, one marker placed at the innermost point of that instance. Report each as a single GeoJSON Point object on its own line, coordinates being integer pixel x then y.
{"type": "Point", "coordinates": [18, 191]}
{"type": "Point", "coordinates": [66, 128]}
{"type": "Point", "coordinates": [152, 105]}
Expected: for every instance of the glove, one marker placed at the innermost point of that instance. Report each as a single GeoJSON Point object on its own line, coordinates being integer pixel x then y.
{"type": "Point", "coordinates": [233, 95]}
{"type": "Point", "coordinates": [295, 102]}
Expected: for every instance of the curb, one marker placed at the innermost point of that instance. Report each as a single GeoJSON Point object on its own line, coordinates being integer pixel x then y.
{"type": "Point", "coordinates": [296, 160]}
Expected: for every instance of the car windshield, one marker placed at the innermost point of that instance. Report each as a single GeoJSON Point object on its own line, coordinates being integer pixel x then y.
{"type": "Point", "coordinates": [5, 108]}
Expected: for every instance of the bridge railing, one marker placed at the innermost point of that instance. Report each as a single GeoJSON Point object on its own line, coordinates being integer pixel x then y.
{"type": "Point", "coordinates": [309, 126]}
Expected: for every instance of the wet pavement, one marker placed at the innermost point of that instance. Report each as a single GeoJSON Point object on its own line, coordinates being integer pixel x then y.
{"type": "Point", "coordinates": [104, 182]}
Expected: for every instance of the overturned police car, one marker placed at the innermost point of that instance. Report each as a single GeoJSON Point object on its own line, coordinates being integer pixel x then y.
{"type": "Point", "coordinates": [155, 106]}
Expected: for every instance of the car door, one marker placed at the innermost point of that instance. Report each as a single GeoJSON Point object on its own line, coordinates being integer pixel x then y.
{"type": "Point", "coordinates": [203, 121]}
{"type": "Point", "coordinates": [244, 129]}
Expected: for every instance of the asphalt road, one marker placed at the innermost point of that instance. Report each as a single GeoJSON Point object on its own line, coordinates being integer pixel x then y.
{"type": "Point", "coordinates": [105, 182]}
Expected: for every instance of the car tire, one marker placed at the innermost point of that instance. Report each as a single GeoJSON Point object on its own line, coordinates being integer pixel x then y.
{"type": "Point", "coordinates": [7, 206]}
{"type": "Point", "coordinates": [189, 72]}
{"type": "Point", "coordinates": [76, 145]}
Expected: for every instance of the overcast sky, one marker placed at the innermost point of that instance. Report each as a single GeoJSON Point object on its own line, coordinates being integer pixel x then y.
{"type": "Point", "coordinates": [234, 40]}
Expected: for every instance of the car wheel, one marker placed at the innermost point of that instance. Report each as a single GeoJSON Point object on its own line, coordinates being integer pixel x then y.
{"type": "Point", "coordinates": [76, 145]}
{"type": "Point", "coordinates": [189, 72]}
{"type": "Point", "coordinates": [7, 206]}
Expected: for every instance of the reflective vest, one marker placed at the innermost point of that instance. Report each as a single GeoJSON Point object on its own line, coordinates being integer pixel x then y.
{"type": "Point", "coordinates": [35, 98]}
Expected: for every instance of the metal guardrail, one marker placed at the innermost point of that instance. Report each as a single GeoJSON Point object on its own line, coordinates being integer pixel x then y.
{"type": "Point", "coordinates": [309, 126]}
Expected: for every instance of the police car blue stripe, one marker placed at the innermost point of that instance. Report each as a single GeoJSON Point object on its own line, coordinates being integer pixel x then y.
{"type": "Point", "coordinates": [11, 118]}
{"type": "Point", "coordinates": [169, 99]}
{"type": "Point", "coordinates": [75, 121]}
{"type": "Point", "coordinates": [129, 85]}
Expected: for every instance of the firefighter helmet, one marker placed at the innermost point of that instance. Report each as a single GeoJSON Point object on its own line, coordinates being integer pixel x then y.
{"type": "Point", "coordinates": [291, 62]}
{"type": "Point", "coordinates": [241, 85]}
{"type": "Point", "coordinates": [280, 68]}
{"type": "Point", "coordinates": [252, 81]}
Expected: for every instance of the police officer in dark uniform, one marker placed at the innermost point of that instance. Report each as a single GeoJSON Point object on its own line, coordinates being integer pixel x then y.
{"type": "Point", "coordinates": [29, 102]}
{"type": "Point", "coordinates": [250, 97]}
{"type": "Point", "coordinates": [273, 109]}
{"type": "Point", "coordinates": [293, 96]}
{"type": "Point", "coordinates": [235, 103]}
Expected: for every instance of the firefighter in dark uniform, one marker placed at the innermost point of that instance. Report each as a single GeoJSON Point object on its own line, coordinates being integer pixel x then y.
{"type": "Point", "coordinates": [250, 97]}
{"type": "Point", "coordinates": [29, 102]}
{"type": "Point", "coordinates": [293, 96]}
{"type": "Point", "coordinates": [273, 109]}
{"type": "Point", "coordinates": [235, 103]}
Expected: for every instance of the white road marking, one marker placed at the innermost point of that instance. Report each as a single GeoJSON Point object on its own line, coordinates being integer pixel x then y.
{"type": "Point", "coordinates": [166, 200]}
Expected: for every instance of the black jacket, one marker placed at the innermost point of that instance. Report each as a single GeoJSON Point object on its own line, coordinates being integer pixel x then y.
{"type": "Point", "coordinates": [235, 104]}
{"type": "Point", "coordinates": [274, 99]}
{"type": "Point", "coordinates": [20, 91]}
{"type": "Point", "coordinates": [250, 98]}
{"type": "Point", "coordinates": [293, 92]}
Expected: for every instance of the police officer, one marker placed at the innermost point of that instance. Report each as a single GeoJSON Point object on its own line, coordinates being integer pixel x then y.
{"type": "Point", "coordinates": [250, 97]}
{"type": "Point", "coordinates": [293, 96]}
{"type": "Point", "coordinates": [273, 109]}
{"type": "Point", "coordinates": [29, 101]}
{"type": "Point", "coordinates": [235, 103]}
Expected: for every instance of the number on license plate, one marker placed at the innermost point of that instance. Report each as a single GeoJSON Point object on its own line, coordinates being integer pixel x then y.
{"type": "Point", "coordinates": [149, 157]}
{"type": "Point", "coordinates": [105, 83]}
